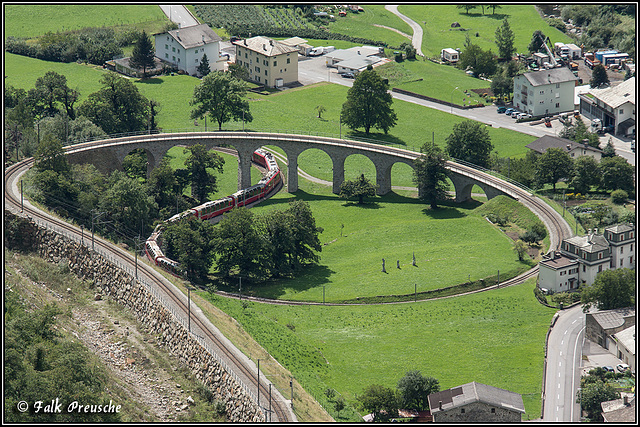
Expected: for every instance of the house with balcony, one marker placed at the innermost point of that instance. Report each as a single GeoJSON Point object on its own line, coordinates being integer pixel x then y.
{"type": "Point", "coordinates": [574, 149]}
{"type": "Point", "coordinates": [268, 62]}
{"type": "Point", "coordinates": [544, 92]}
{"type": "Point", "coordinates": [581, 258]}
{"type": "Point", "coordinates": [185, 47]}
{"type": "Point", "coordinates": [614, 106]}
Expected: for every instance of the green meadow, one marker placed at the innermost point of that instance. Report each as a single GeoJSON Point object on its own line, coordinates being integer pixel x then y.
{"type": "Point", "coordinates": [436, 21]}
{"type": "Point", "coordinates": [495, 338]}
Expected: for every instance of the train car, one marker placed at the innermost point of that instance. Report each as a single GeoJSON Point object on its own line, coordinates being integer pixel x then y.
{"type": "Point", "coordinates": [152, 250]}
{"type": "Point", "coordinates": [214, 208]}
{"type": "Point", "coordinates": [188, 214]}
{"type": "Point", "coordinates": [259, 157]}
{"type": "Point", "coordinates": [271, 181]}
{"type": "Point", "coordinates": [248, 195]}
{"type": "Point", "coordinates": [272, 164]}
{"type": "Point", "coordinates": [170, 266]}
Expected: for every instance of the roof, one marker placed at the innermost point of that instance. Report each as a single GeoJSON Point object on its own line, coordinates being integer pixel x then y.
{"type": "Point", "coordinates": [195, 35]}
{"type": "Point", "coordinates": [552, 76]}
{"type": "Point", "coordinates": [475, 392]}
{"type": "Point", "coordinates": [620, 228]}
{"type": "Point", "coordinates": [627, 337]}
{"type": "Point", "coordinates": [293, 41]}
{"type": "Point", "coordinates": [609, 319]}
{"type": "Point", "coordinates": [358, 63]}
{"type": "Point", "coordinates": [616, 411]}
{"type": "Point", "coordinates": [542, 144]}
{"type": "Point", "coordinates": [592, 243]}
{"type": "Point", "coordinates": [450, 50]}
{"type": "Point", "coordinates": [617, 95]}
{"type": "Point", "coordinates": [558, 261]}
{"type": "Point", "coordinates": [353, 52]}
{"type": "Point", "coordinates": [265, 46]}
{"type": "Point", "coordinates": [572, 46]}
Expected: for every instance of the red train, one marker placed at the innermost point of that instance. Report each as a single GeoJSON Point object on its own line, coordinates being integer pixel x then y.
{"type": "Point", "coordinates": [214, 208]}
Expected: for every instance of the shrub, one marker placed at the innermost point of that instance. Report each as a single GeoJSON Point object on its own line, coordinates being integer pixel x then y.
{"type": "Point", "coordinates": [619, 196]}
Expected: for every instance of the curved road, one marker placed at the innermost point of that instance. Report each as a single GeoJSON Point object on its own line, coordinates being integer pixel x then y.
{"type": "Point", "coordinates": [416, 39]}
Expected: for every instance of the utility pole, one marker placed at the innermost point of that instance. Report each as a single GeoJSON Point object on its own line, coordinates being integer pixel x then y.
{"type": "Point", "coordinates": [270, 402]}
{"type": "Point", "coordinates": [258, 383]}
{"type": "Point", "coordinates": [189, 288]}
{"type": "Point", "coordinates": [94, 217]}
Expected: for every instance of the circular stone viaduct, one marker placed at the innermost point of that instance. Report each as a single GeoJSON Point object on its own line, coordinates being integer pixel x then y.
{"type": "Point", "coordinates": [107, 155]}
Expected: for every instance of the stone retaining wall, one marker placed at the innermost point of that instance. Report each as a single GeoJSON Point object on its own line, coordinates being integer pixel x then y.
{"type": "Point", "coordinates": [120, 286]}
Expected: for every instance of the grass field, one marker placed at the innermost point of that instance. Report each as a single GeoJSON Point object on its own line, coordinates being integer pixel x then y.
{"type": "Point", "coordinates": [495, 338]}
{"type": "Point", "coordinates": [32, 20]}
{"type": "Point", "coordinates": [437, 32]}
{"type": "Point", "coordinates": [362, 25]}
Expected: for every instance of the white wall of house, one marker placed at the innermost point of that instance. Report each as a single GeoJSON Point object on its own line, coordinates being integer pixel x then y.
{"type": "Point", "coordinates": [170, 50]}
{"type": "Point", "coordinates": [558, 280]}
{"type": "Point", "coordinates": [544, 99]}
{"type": "Point", "coordinates": [624, 112]}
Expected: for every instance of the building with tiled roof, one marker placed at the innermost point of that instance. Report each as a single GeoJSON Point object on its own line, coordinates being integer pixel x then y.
{"type": "Point", "coordinates": [581, 258]}
{"type": "Point", "coordinates": [476, 402]}
{"type": "Point", "coordinates": [268, 62]}
{"type": "Point", "coordinates": [544, 92]}
{"type": "Point", "coordinates": [614, 106]}
{"type": "Point", "coordinates": [574, 149]}
{"type": "Point", "coordinates": [186, 46]}
{"type": "Point", "coordinates": [620, 410]}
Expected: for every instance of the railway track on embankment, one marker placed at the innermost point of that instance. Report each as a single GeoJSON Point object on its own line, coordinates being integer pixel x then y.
{"type": "Point", "coordinates": [235, 361]}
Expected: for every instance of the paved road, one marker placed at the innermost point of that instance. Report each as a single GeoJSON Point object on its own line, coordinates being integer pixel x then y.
{"type": "Point", "coordinates": [416, 40]}
{"type": "Point", "coordinates": [179, 14]}
{"type": "Point", "coordinates": [564, 356]}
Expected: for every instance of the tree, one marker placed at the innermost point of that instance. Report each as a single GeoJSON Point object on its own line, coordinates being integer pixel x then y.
{"type": "Point", "coordinates": [50, 90]}
{"type": "Point", "coordinates": [377, 398]}
{"type": "Point", "coordinates": [414, 388]}
{"type": "Point", "coordinates": [202, 181]}
{"type": "Point", "coordinates": [203, 68]}
{"type": "Point", "coordinates": [501, 85]}
{"type": "Point", "coordinates": [190, 243]}
{"type": "Point", "coordinates": [142, 55]}
{"type": "Point", "coordinates": [520, 248]}
{"type": "Point", "coordinates": [56, 190]}
{"type": "Point", "coordinates": [494, 7]}
{"type": "Point", "coordinates": [237, 71]}
{"type": "Point", "coordinates": [117, 107]}
{"type": "Point", "coordinates": [305, 233]}
{"type": "Point", "coordinates": [537, 41]}
{"type": "Point", "coordinates": [237, 246]}
{"type": "Point", "coordinates": [368, 104]}
{"type": "Point", "coordinates": [585, 174]}
{"type": "Point", "coordinates": [470, 141]}
{"type": "Point", "coordinates": [505, 40]}
{"type": "Point", "coordinates": [430, 174]}
{"type": "Point", "coordinates": [592, 395]}
{"type": "Point", "coordinates": [221, 96]}
{"type": "Point", "coordinates": [467, 7]}
{"type": "Point", "coordinates": [599, 77]}
{"type": "Point", "coordinates": [611, 289]}
{"type": "Point", "coordinates": [50, 156]}
{"type": "Point", "coordinates": [321, 109]}
{"type": "Point", "coordinates": [163, 184]}
{"type": "Point", "coordinates": [609, 150]}
{"type": "Point", "coordinates": [616, 173]}
{"type": "Point", "coordinates": [359, 188]}
{"type": "Point", "coordinates": [553, 165]}
{"type": "Point", "coordinates": [340, 405]}
{"type": "Point", "coordinates": [481, 62]}
{"type": "Point", "coordinates": [135, 164]}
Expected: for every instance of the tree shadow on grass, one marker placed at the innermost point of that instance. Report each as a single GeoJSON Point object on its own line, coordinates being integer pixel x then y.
{"type": "Point", "coordinates": [150, 80]}
{"type": "Point", "coordinates": [312, 276]}
{"type": "Point", "coordinates": [365, 205]}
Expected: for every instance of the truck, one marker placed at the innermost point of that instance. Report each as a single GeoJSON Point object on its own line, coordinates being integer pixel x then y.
{"type": "Point", "coordinates": [590, 60]}
{"type": "Point", "coordinates": [596, 126]}
{"type": "Point", "coordinates": [316, 51]}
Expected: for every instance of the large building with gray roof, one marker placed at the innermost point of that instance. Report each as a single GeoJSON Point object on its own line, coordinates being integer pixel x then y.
{"type": "Point", "coordinates": [545, 92]}
{"type": "Point", "coordinates": [268, 62]}
{"type": "Point", "coordinates": [581, 258]}
{"type": "Point", "coordinates": [185, 48]}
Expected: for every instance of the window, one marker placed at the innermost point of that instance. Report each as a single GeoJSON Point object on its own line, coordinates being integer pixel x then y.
{"type": "Point", "coordinates": [631, 248]}
{"type": "Point", "coordinates": [541, 92]}
{"type": "Point", "coordinates": [462, 411]}
{"type": "Point", "coordinates": [166, 46]}
{"type": "Point", "coordinates": [621, 262]}
{"type": "Point", "coordinates": [178, 50]}
{"type": "Point", "coordinates": [288, 60]}
{"type": "Point", "coordinates": [557, 105]}
{"type": "Point", "coordinates": [631, 234]}
{"type": "Point", "coordinates": [584, 268]}
{"type": "Point", "coordinates": [196, 51]}
{"type": "Point", "coordinates": [599, 268]}
{"type": "Point", "coordinates": [167, 37]}
{"type": "Point", "coordinates": [557, 85]}
{"type": "Point", "coordinates": [245, 55]}
{"type": "Point", "coordinates": [173, 49]}
{"type": "Point", "coordinates": [265, 73]}
{"type": "Point", "coordinates": [621, 111]}
{"type": "Point", "coordinates": [493, 410]}
{"type": "Point", "coordinates": [541, 102]}
{"type": "Point", "coordinates": [622, 250]}
{"type": "Point", "coordinates": [174, 59]}
{"type": "Point", "coordinates": [196, 60]}
{"type": "Point", "coordinates": [166, 55]}
{"type": "Point", "coordinates": [257, 69]}
{"type": "Point", "coordinates": [631, 260]}
{"type": "Point", "coordinates": [275, 63]}
{"type": "Point", "coordinates": [600, 255]}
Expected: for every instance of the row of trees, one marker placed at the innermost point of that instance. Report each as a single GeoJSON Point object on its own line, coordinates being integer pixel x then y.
{"type": "Point", "coordinates": [411, 393]}
{"type": "Point", "coordinates": [255, 247]}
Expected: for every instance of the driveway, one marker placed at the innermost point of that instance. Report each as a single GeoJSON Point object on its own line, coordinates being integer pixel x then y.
{"type": "Point", "coordinates": [416, 40]}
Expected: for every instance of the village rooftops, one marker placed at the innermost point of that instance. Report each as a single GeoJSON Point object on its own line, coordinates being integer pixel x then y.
{"type": "Point", "coordinates": [195, 35]}
{"type": "Point", "coordinates": [590, 243]}
{"type": "Point", "coordinates": [265, 46]}
{"type": "Point", "coordinates": [475, 392]}
{"type": "Point", "coordinates": [617, 95]}
{"type": "Point", "coordinates": [559, 261]}
{"type": "Point", "coordinates": [610, 319]}
{"type": "Point", "coordinates": [542, 144]}
{"type": "Point", "coordinates": [620, 228]}
{"type": "Point", "coordinates": [552, 76]}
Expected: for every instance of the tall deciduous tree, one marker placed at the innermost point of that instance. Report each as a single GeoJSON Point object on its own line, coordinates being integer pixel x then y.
{"type": "Point", "coordinates": [305, 233]}
{"type": "Point", "coordinates": [368, 103]}
{"type": "Point", "coordinates": [202, 181]}
{"type": "Point", "coordinates": [537, 41]}
{"type": "Point", "coordinates": [359, 188]}
{"type": "Point", "coordinates": [221, 96]}
{"type": "Point", "coordinates": [592, 395]}
{"type": "Point", "coordinates": [585, 174]}
{"type": "Point", "coordinates": [616, 173]}
{"type": "Point", "coordinates": [505, 40]}
{"type": "Point", "coordinates": [470, 141]}
{"type": "Point", "coordinates": [481, 62]}
{"type": "Point", "coordinates": [190, 243]}
{"type": "Point", "coordinates": [467, 7]}
{"type": "Point", "coordinates": [430, 174]}
{"type": "Point", "coordinates": [143, 55]}
{"type": "Point", "coordinates": [50, 90]}
{"type": "Point", "coordinates": [611, 289]}
{"type": "Point", "coordinates": [376, 398]}
{"type": "Point", "coordinates": [414, 389]}
{"type": "Point", "coordinates": [117, 107]}
{"type": "Point", "coordinates": [50, 156]}
{"type": "Point", "coordinates": [553, 165]}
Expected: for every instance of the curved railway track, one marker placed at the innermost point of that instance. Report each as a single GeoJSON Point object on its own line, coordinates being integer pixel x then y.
{"type": "Point", "coordinates": [177, 299]}
{"type": "Point", "coordinates": [558, 230]}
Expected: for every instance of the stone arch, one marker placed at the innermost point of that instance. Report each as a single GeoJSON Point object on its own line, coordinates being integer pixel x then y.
{"type": "Point", "coordinates": [151, 157]}
{"type": "Point", "coordinates": [401, 174]}
{"type": "Point", "coordinates": [464, 185]}
{"type": "Point", "coordinates": [316, 162]}
{"type": "Point", "coordinates": [355, 164]}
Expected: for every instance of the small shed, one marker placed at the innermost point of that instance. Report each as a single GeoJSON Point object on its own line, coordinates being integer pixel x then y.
{"type": "Point", "coordinates": [450, 55]}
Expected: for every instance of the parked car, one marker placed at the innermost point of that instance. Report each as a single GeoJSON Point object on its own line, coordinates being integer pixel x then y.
{"type": "Point", "coordinates": [348, 75]}
{"type": "Point", "coordinates": [608, 368]}
{"type": "Point", "coordinates": [524, 116]}
{"type": "Point", "coordinates": [502, 109]}
{"type": "Point", "coordinates": [508, 111]}
{"type": "Point", "coordinates": [514, 114]}
{"type": "Point", "coordinates": [622, 367]}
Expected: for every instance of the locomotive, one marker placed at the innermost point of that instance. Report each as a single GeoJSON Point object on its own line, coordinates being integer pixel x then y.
{"type": "Point", "coordinates": [211, 209]}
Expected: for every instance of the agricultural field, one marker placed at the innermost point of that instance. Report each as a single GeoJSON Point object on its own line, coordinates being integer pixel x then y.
{"type": "Point", "coordinates": [33, 20]}
{"type": "Point", "coordinates": [496, 338]}
{"type": "Point", "coordinates": [436, 23]}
